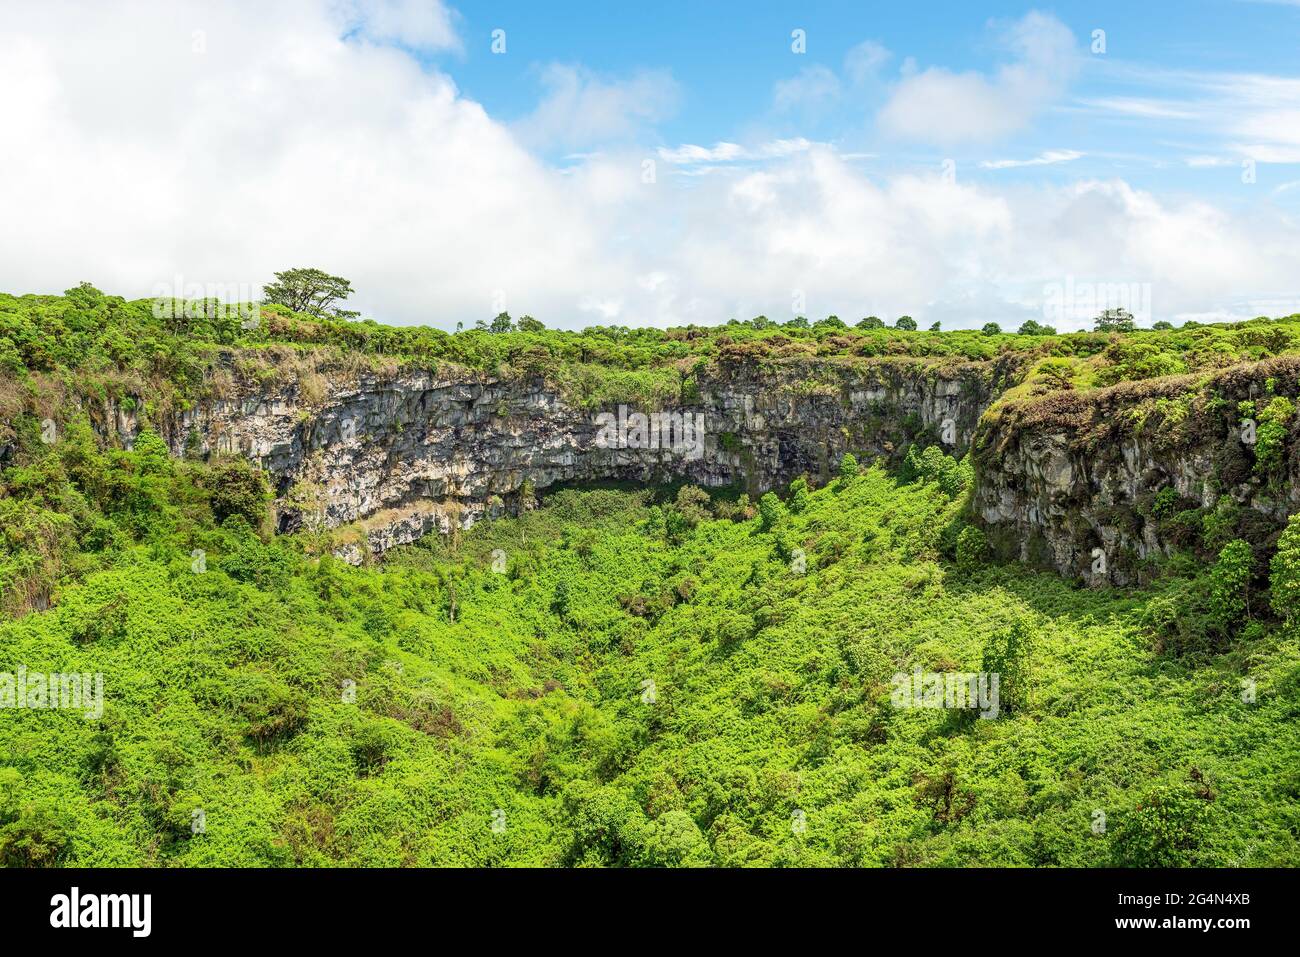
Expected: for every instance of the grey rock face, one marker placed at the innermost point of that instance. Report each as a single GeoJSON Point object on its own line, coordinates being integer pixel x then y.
{"type": "Point", "coordinates": [410, 452]}
{"type": "Point", "coordinates": [1060, 480]}
{"type": "Point", "coordinates": [1071, 483]}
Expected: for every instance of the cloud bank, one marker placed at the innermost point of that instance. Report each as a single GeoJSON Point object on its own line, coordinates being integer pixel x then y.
{"type": "Point", "coordinates": [222, 143]}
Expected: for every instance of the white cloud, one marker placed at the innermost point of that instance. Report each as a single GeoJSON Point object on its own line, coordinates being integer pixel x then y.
{"type": "Point", "coordinates": [286, 145]}
{"type": "Point", "coordinates": [942, 107]}
{"type": "Point", "coordinates": [1249, 115]}
{"type": "Point", "coordinates": [812, 88]}
{"type": "Point", "coordinates": [1046, 158]}
{"type": "Point", "coordinates": [689, 153]}
{"type": "Point", "coordinates": [1140, 107]}
{"type": "Point", "coordinates": [418, 24]}
{"type": "Point", "coordinates": [1271, 135]}
{"type": "Point", "coordinates": [280, 145]}
{"type": "Point", "coordinates": [816, 88]}
{"type": "Point", "coordinates": [582, 109]}
{"type": "Point", "coordinates": [863, 62]}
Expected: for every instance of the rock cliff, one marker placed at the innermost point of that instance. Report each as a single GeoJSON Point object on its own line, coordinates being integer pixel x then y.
{"type": "Point", "coordinates": [1096, 484]}
{"type": "Point", "coordinates": [402, 453]}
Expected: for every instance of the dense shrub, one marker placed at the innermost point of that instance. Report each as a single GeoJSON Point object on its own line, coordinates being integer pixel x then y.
{"type": "Point", "coordinates": [1165, 829]}
{"type": "Point", "coordinates": [972, 548]}
{"type": "Point", "coordinates": [771, 511]}
{"type": "Point", "coordinates": [1230, 582]}
{"type": "Point", "coordinates": [239, 489]}
{"type": "Point", "coordinates": [1284, 580]}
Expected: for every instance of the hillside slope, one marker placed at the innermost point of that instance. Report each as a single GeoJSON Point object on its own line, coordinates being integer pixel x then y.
{"type": "Point", "coordinates": [611, 680]}
{"type": "Point", "coordinates": [645, 674]}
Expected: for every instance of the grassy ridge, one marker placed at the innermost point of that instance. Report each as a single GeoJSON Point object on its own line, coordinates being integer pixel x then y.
{"type": "Point", "coordinates": [104, 346]}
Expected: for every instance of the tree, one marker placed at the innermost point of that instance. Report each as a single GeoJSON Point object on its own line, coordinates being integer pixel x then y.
{"type": "Point", "coordinates": [871, 322]}
{"type": "Point", "coordinates": [771, 511]}
{"type": "Point", "coordinates": [311, 291]}
{"type": "Point", "coordinates": [934, 327]}
{"type": "Point", "coordinates": [502, 323]}
{"type": "Point", "coordinates": [1009, 655]}
{"type": "Point", "coordinates": [84, 296]}
{"type": "Point", "coordinates": [992, 329]}
{"type": "Point", "coordinates": [1115, 320]}
{"type": "Point", "coordinates": [830, 322]}
{"type": "Point", "coordinates": [1162, 325]}
{"type": "Point", "coordinates": [1284, 577]}
{"type": "Point", "coordinates": [848, 466]}
{"type": "Point", "coordinates": [1032, 328]}
{"type": "Point", "coordinates": [529, 324]}
{"type": "Point", "coordinates": [906, 323]}
{"type": "Point", "coordinates": [799, 497]}
{"type": "Point", "coordinates": [1230, 583]}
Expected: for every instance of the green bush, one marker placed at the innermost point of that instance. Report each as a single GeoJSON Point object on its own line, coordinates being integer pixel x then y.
{"type": "Point", "coordinates": [239, 489]}
{"type": "Point", "coordinates": [1270, 435]}
{"type": "Point", "coordinates": [1284, 578]}
{"type": "Point", "coordinates": [799, 495]}
{"type": "Point", "coordinates": [972, 549]}
{"type": "Point", "coordinates": [1230, 580]}
{"type": "Point", "coordinates": [771, 511]}
{"type": "Point", "coordinates": [1009, 653]}
{"type": "Point", "coordinates": [1165, 829]}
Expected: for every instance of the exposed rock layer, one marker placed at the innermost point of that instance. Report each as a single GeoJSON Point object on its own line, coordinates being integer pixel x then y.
{"type": "Point", "coordinates": [1094, 484]}
{"type": "Point", "coordinates": [405, 453]}
{"type": "Point", "coordinates": [1060, 480]}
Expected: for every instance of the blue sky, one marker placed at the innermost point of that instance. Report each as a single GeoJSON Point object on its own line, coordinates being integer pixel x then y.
{"type": "Point", "coordinates": [1139, 109]}
{"type": "Point", "coordinates": [661, 163]}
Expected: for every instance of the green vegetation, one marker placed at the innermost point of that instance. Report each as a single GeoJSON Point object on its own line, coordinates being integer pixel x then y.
{"type": "Point", "coordinates": [102, 346]}
{"type": "Point", "coordinates": [621, 677]}
{"type": "Point", "coordinates": [310, 291]}
{"type": "Point", "coordinates": [652, 678]}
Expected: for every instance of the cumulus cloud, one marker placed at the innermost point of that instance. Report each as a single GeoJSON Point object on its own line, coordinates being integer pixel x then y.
{"type": "Point", "coordinates": [942, 107]}
{"type": "Point", "coordinates": [863, 62]}
{"type": "Point", "coordinates": [282, 137]}
{"type": "Point", "coordinates": [816, 88]}
{"type": "Point", "coordinates": [581, 109]}
{"type": "Point", "coordinates": [813, 87]}
{"type": "Point", "coordinates": [418, 24]}
{"type": "Point", "coordinates": [272, 143]}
